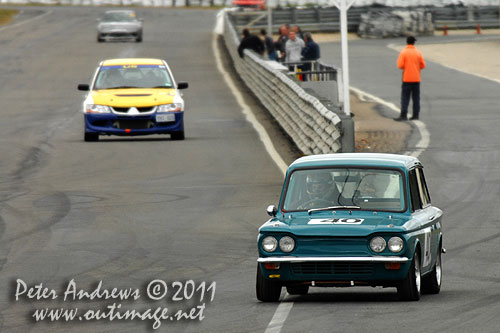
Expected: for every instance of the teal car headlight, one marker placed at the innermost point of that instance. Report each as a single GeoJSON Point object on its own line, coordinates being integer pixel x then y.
{"type": "Point", "coordinates": [377, 244]}
{"type": "Point", "coordinates": [95, 108]}
{"type": "Point", "coordinates": [170, 107]}
{"type": "Point", "coordinates": [269, 244]}
{"type": "Point", "coordinates": [395, 244]}
{"type": "Point", "coordinates": [287, 244]}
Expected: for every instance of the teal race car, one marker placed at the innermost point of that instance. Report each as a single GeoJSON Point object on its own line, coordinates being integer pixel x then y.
{"type": "Point", "coordinates": [356, 219]}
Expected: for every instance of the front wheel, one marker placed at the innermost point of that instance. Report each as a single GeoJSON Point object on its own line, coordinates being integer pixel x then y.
{"type": "Point", "coordinates": [267, 290]}
{"type": "Point", "coordinates": [89, 137]}
{"type": "Point", "coordinates": [177, 135]}
{"type": "Point", "coordinates": [431, 284]}
{"type": "Point", "coordinates": [409, 288]}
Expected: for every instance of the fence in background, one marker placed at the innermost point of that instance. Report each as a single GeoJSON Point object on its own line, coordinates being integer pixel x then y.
{"type": "Point", "coordinates": [318, 18]}
{"type": "Point", "coordinates": [328, 19]}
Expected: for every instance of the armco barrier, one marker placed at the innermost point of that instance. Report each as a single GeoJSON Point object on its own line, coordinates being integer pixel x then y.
{"type": "Point", "coordinates": [312, 127]}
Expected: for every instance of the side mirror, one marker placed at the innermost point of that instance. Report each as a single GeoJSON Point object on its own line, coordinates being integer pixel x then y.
{"type": "Point", "coordinates": [271, 210]}
{"type": "Point", "coordinates": [182, 85]}
{"type": "Point", "coordinates": [83, 87]}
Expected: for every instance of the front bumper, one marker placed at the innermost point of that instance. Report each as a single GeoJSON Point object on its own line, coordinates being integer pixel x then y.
{"type": "Point", "coordinates": [334, 259]}
{"type": "Point", "coordinates": [123, 34]}
{"type": "Point", "coordinates": [333, 271]}
{"type": "Point", "coordinates": [113, 124]}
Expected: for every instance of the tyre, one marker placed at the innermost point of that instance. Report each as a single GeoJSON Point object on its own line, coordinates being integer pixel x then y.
{"type": "Point", "coordinates": [409, 288]}
{"type": "Point", "coordinates": [267, 290]}
{"type": "Point", "coordinates": [177, 135]}
{"type": "Point", "coordinates": [301, 289]}
{"type": "Point", "coordinates": [431, 283]}
{"type": "Point", "coordinates": [90, 136]}
{"type": "Point", "coordinates": [138, 39]}
{"type": "Point", "coordinates": [100, 39]}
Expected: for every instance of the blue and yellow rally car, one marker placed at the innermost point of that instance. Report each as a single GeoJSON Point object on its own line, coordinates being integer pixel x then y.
{"type": "Point", "coordinates": [133, 97]}
{"type": "Point", "coordinates": [351, 220]}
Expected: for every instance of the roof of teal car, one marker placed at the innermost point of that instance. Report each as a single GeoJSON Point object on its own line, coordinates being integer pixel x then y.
{"type": "Point", "coordinates": [356, 159]}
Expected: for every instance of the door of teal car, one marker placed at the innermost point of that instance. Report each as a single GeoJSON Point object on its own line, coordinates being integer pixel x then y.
{"type": "Point", "coordinates": [429, 247]}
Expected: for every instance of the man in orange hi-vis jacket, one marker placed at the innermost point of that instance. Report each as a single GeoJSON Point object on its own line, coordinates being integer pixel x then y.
{"type": "Point", "coordinates": [411, 62]}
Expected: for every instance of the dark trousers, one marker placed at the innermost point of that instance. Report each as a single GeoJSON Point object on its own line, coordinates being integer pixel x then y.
{"type": "Point", "coordinates": [410, 90]}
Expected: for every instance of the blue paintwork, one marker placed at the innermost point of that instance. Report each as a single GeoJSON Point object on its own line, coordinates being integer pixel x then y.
{"type": "Point", "coordinates": [420, 230]}
{"type": "Point", "coordinates": [109, 118]}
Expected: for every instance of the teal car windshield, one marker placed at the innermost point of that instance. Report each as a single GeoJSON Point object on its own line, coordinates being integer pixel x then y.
{"type": "Point", "coordinates": [368, 189]}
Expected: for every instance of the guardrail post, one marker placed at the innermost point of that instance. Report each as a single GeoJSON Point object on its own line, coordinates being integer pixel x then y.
{"type": "Point", "coordinates": [347, 140]}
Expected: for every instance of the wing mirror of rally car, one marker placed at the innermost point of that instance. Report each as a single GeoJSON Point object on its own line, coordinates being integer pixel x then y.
{"type": "Point", "coordinates": [271, 210]}
{"type": "Point", "coordinates": [83, 87]}
{"type": "Point", "coordinates": [182, 85]}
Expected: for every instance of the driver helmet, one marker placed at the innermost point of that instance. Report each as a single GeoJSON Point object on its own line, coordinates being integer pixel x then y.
{"type": "Point", "coordinates": [318, 183]}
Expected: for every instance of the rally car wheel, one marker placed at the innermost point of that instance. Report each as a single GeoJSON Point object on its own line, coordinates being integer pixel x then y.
{"type": "Point", "coordinates": [267, 290]}
{"type": "Point", "coordinates": [177, 135]}
{"type": "Point", "coordinates": [431, 284]}
{"type": "Point", "coordinates": [88, 137]}
{"type": "Point", "coordinates": [409, 288]}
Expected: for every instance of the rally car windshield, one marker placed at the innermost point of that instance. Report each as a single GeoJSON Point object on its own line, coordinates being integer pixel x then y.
{"type": "Point", "coordinates": [363, 188]}
{"type": "Point", "coordinates": [133, 76]}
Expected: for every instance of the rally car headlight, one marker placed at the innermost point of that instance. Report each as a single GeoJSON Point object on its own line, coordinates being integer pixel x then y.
{"type": "Point", "coordinates": [395, 244]}
{"type": "Point", "coordinates": [269, 244]}
{"type": "Point", "coordinates": [287, 244]}
{"type": "Point", "coordinates": [377, 244]}
{"type": "Point", "coordinates": [170, 107]}
{"type": "Point", "coordinates": [94, 108]}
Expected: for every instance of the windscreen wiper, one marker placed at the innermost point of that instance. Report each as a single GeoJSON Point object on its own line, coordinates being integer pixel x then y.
{"type": "Point", "coordinates": [332, 208]}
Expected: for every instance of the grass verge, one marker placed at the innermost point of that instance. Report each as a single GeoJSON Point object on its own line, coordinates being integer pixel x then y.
{"type": "Point", "coordinates": [6, 15]}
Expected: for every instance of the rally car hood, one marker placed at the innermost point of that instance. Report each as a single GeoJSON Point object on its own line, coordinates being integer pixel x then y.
{"type": "Point", "coordinates": [342, 225]}
{"type": "Point", "coordinates": [133, 97]}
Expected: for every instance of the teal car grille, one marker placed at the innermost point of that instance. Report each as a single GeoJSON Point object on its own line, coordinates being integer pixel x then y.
{"type": "Point", "coordinates": [332, 268]}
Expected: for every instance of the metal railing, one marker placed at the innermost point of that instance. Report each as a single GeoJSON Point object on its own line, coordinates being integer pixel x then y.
{"type": "Point", "coordinates": [313, 70]}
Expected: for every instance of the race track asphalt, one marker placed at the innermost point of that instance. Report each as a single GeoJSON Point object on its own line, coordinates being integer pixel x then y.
{"type": "Point", "coordinates": [127, 211]}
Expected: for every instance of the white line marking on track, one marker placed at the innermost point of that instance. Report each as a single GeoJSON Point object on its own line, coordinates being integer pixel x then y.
{"type": "Point", "coordinates": [264, 137]}
{"type": "Point", "coordinates": [424, 141]}
{"type": "Point", "coordinates": [26, 21]}
{"type": "Point", "coordinates": [284, 308]}
{"type": "Point", "coordinates": [279, 317]}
